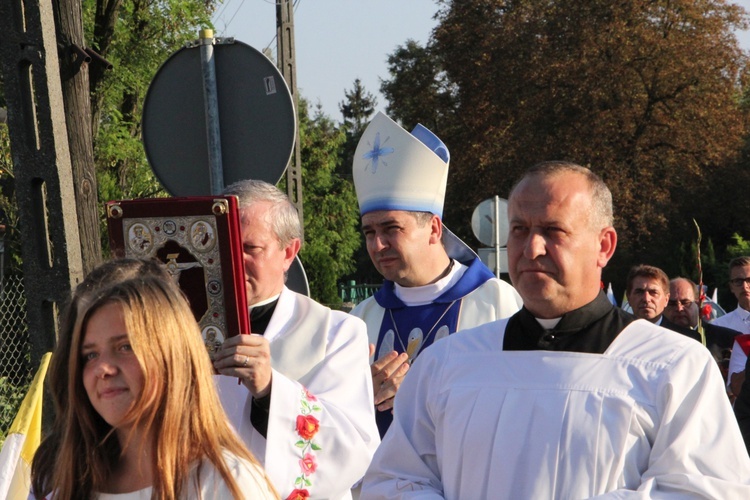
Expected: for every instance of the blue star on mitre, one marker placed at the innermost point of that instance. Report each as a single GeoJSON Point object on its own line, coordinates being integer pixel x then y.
{"type": "Point", "coordinates": [377, 152]}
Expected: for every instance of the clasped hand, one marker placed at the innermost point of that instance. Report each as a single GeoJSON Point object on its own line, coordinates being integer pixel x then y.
{"type": "Point", "coordinates": [387, 374]}
{"type": "Point", "coordinates": [247, 357]}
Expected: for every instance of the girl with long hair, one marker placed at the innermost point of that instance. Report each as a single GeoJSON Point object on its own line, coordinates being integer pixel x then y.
{"type": "Point", "coordinates": [140, 418]}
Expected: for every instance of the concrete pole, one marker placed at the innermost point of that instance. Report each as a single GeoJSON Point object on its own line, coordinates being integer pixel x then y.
{"type": "Point", "coordinates": [50, 246]}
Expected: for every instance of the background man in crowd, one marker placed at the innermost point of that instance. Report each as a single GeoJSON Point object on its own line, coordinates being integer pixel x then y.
{"type": "Point", "coordinates": [738, 319]}
{"type": "Point", "coordinates": [305, 404]}
{"type": "Point", "coordinates": [742, 406]}
{"type": "Point", "coordinates": [647, 289]}
{"type": "Point", "coordinates": [434, 284]}
{"type": "Point", "coordinates": [682, 310]}
{"type": "Point", "coordinates": [570, 396]}
{"type": "Point", "coordinates": [739, 284]}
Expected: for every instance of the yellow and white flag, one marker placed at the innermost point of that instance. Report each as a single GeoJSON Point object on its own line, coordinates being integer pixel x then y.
{"type": "Point", "coordinates": [23, 439]}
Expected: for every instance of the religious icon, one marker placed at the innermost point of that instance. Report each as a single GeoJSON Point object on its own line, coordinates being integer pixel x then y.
{"type": "Point", "coordinates": [139, 238]}
{"type": "Point", "coordinates": [198, 240]}
{"type": "Point", "coordinates": [213, 339]}
{"type": "Point", "coordinates": [202, 236]}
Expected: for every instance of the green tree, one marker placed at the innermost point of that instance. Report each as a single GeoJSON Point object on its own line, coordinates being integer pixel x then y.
{"type": "Point", "coordinates": [8, 212]}
{"type": "Point", "coordinates": [646, 93]}
{"type": "Point", "coordinates": [136, 37]}
{"type": "Point", "coordinates": [357, 108]}
{"type": "Point", "coordinates": [331, 217]}
{"type": "Point", "coordinates": [723, 201]}
{"type": "Point", "coordinates": [420, 91]}
{"type": "Point", "coordinates": [356, 111]}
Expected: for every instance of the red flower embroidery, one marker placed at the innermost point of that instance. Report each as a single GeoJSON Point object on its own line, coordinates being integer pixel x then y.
{"type": "Point", "coordinates": [309, 395]}
{"type": "Point", "coordinates": [298, 495]}
{"type": "Point", "coordinates": [308, 465]}
{"type": "Point", "coordinates": [307, 426]}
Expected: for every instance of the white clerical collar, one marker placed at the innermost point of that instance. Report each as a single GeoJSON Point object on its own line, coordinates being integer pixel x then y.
{"type": "Point", "coordinates": [548, 324]}
{"type": "Point", "coordinates": [421, 295]}
{"type": "Point", "coordinates": [263, 302]}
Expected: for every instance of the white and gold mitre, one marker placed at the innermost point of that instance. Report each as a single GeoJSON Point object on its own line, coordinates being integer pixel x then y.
{"type": "Point", "coordinates": [397, 170]}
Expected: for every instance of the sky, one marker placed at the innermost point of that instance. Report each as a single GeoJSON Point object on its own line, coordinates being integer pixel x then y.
{"type": "Point", "coordinates": [338, 41]}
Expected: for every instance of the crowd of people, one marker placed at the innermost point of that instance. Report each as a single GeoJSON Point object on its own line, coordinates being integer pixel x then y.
{"type": "Point", "coordinates": [542, 389]}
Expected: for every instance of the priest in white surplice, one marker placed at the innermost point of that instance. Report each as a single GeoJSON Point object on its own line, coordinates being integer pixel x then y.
{"type": "Point", "coordinates": [570, 397]}
{"type": "Point", "coordinates": [305, 404]}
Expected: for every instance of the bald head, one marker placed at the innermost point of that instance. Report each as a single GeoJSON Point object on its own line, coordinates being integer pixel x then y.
{"type": "Point", "coordinates": [682, 308]}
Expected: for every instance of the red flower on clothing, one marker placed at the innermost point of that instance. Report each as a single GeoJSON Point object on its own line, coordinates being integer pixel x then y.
{"type": "Point", "coordinates": [298, 495]}
{"type": "Point", "coordinates": [309, 395]}
{"type": "Point", "coordinates": [308, 465]}
{"type": "Point", "coordinates": [307, 426]}
{"type": "Point", "coordinates": [706, 311]}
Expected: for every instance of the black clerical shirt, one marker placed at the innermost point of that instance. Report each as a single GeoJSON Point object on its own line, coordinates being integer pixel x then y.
{"type": "Point", "coordinates": [591, 329]}
{"type": "Point", "coordinates": [260, 316]}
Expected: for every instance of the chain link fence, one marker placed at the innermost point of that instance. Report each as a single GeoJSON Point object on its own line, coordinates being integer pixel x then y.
{"type": "Point", "coordinates": [15, 371]}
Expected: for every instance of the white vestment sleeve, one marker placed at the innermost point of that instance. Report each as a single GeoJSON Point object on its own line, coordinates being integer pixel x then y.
{"type": "Point", "coordinates": [406, 465]}
{"type": "Point", "coordinates": [736, 361]}
{"type": "Point", "coordinates": [693, 454]}
{"type": "Point", "coordinates": [322, 439]}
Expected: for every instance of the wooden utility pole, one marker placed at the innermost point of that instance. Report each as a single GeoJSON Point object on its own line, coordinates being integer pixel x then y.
{"type": "Point", "coordinates": [74, 74]}
{"type": "Point", "coordinates": [288, 68]}
{"type": "Point", "coordinates": [50, 244]}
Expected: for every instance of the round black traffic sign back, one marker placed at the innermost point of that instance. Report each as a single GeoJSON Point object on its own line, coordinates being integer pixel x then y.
{"type": "Point", "coordinates": [256, 117]}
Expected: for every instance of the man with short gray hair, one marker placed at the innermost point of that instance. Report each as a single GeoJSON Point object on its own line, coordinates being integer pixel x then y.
{"type": "Point", "coordinates": [305, 404]}
{"type": "Point", "coordinates": [570, 397]}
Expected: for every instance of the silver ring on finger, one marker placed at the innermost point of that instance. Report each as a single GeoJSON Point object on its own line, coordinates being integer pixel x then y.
{"type": "Point", "coordinates": [244, 363]}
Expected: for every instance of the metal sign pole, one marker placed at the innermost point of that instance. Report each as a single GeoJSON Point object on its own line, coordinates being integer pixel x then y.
{"type": "Point", "coordinates": [497, 236]}
{"type": "Point", "coordinates": [211, 103]}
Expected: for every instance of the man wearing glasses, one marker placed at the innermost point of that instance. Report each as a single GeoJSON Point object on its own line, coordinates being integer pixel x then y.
{"type": "Point", "coordinates": [739, 319]}
{"type": "Point", "coordinates": [682, 310]}
{"type": "Point", "coordinates": [739, 283]}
